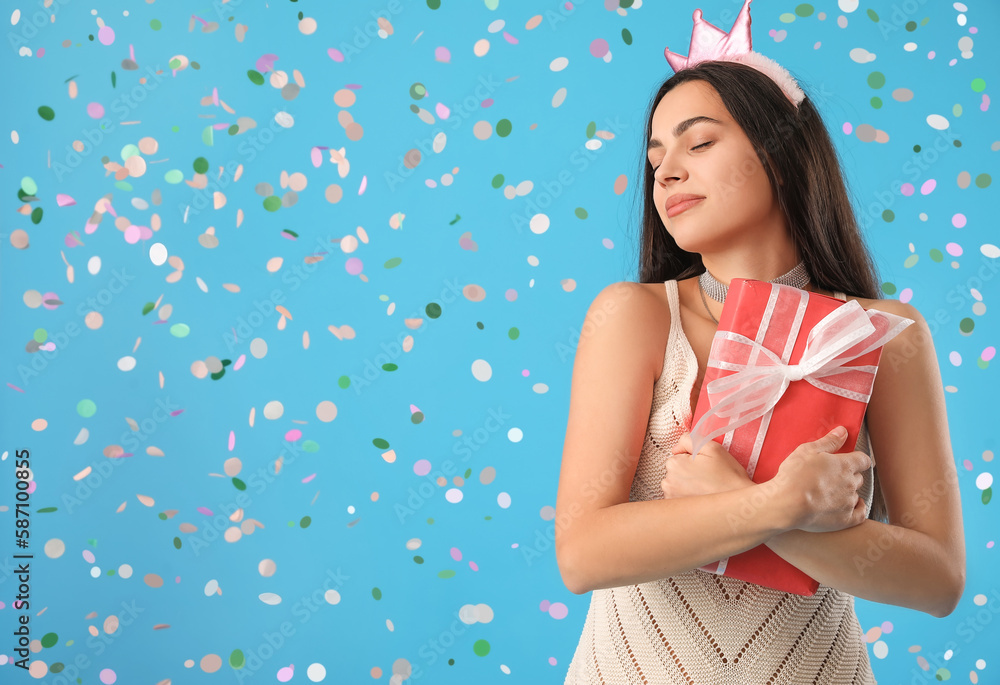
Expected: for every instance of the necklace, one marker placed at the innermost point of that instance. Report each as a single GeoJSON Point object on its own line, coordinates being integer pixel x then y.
{"type": "Point", "coordinates": [798, 277]}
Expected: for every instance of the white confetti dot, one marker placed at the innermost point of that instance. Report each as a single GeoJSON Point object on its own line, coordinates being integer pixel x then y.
{"type": "Point", "coordinates": [269, 598]}
{"type": "Point", "coordinates": [332, 597]}
{"type": "Point", "coordinates": [93, 265]}
{"type": "Point", "coordinates": [515, 435]}
{"type": "Point", "coordinates": [125, 571]}
{"type": "Point", "coordinates": [559, 63]}
{"type": "Point", "coordinates": [95, 571]}
{"type": "Point", "coordinates": [481, 370]}
{"type": "Point", "coordinates": [937, 121]}
{"type": "Point", "coordinates": [126, 363]}
{"type": "Point", "coordinates": [54, 548]}
{"type": "Point", "coordinates": [273, 410]}
{"type": "Point", "coordinates": [503, 499]}
{"type": "Point", "coordinates": [989, 250]}
{"type": "Point", "coordinates": [211, 587]}
{"type": "Point", "coordinates": [847, 5]}
{"type": "Point", "coordinates": [453, 495]}
{"type": "Point", "coordinates": [984, 480]}
{"type": "Point", "coordinates": [880, 649]}
{"type": "Point", "coordinates": [158, 253]}
{"type": "Point", "coordinates": [539, 224]}
{"type": "Point", "coordinates": [316, 672]}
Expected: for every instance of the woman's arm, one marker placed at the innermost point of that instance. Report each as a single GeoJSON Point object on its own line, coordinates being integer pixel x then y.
{"type": "Point", "coordinates": [602, 539]}
{"type": "Point", "coordinates": [918, 559]}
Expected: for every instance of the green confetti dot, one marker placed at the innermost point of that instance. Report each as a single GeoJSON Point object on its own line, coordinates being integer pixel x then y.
{"type": "Point", "coordinates": [978, 85]}
{"type": "Point", "coordinates": [591, 129]}
{"type": "Point", "coordinates": [433, 310]}
{"type": "Point", "coordinates": [446, 573]}
{"type": "Point", "coordinates": [310, 446]}
{"type": "Point", "coordinates": [49, 639]}
{"type": "Point", "coordinates": [173, 176]}
{"type": "Point", "coordinates": [626, 36]}
{"type": "Point", "coordinates": [480, 326]}
{"type": "Point", "coordinates": [987, 495]}
{"type": "Point", "coordinates": [889, 288]}
{"type": "Point", "coordinates": [430, 521]}
{"type": "Point", "coordinates": [233, 130]}
{"type": "Point", "coordinates": [942, 674]}
{"type": "Point", "coordinates": [46, 112]}
{"type": "Point", "coordinates": [381, 443]}
{"type": "Point", "coordinates": [982, 363]}
{"type": "Point", "coordinates": [376, 593]}
{"type": "Point", "coordinates": [86, 408]}
{"type": "Point", "coordinates": [344, 382]}
{"type": "Point", "coordinates": [497, 181]}
{"type": "Point", "coordinates": [129, 150]}
{"type": "Point", "coordinates": [393, 263]}
{"type": "Point", "coordinates": [57, 667]}
{"type": "Point", "coordinates": [162, 516]}
{"type": "Point", "coordinates": [155, 24]}
{"type": "Point", "coordinates": [876, 102]}
{"type": "Point", "coordinates": [256, 77]}
{"type": "Point", "coordinates": [236, 659]}
{"type": "Point", "coordinates": [36, 215]}
{"type": "Point", "coordinates": [175, 128]}
{"type": "Point", "coordinates": [581, 213]}
{"type": "Point", "coordinates": [966, 325]}
{"type": "Point", "coordinates": [417, 417]}
{"type": "Point", "coordinates": [272, 203]}
{"type": "Point", "coordinates": [174, 63]}
{"type": "Point", "coordinates": [418, 91]}
{"type": "Point", "coordinates": [956, 110]}
{"type": "Point", "coordinates": [481, 647]}
{"type": "Point", "coordinates": [47, 510]}
{"type": "Point", "coordinates": [936, 255]}
{"type": "Point", "coordinates": [624, 4]}
{"type": "Point", "coordinates": [177, 543]}
{"type": "Point", "coordinates": [786, 17]}
{"type": "Point", "coordinates": [911, 26]}
{"type": "Point", "coordinates": [418, 559]}
{"type": "Point", "coordinates": [110, 572]}
{"type": "Point", "coordinates": [504, 127]}
{"type": "Point", "coordinates": [513, 333]}
{"type": "Point", "coordinates": [40, 335]}
{"type": "Point", "coordinates": [876, 79]}
{"type": "Point", "coordinates": [180, 330]}
{"type": "Point", "coordinates": [389, 367]}
{"type": "Point", "coordinates": [888, 216]}
{"type": "Point", "coordinates": [238, 484]}
{"type": "Point", "coordinates": [911, 260]}
{"type": "Point", "coordinates": [29, 186]}
{"type": "Point", "coordinates": [305, 521]}
{"type": "Point", "coordinates": [804, 10]}
{"type": "Point", "coordinates": [983, 180]}
{"type": "Point", "coordinates": [873, 15]}
{"type": "Point", "coordinates": [201, 165]}
{"type": "Point", "coordinates": [434, 4]}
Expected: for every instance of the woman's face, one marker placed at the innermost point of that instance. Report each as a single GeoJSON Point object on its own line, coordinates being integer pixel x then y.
{"type": "Point", "coordinates": [715, 161]}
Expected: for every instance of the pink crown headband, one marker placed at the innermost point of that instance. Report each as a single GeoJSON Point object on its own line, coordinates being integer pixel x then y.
{"type": "Point", "coordinates": [712, 43]}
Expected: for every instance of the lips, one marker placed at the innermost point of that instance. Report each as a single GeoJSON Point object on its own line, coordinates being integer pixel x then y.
{"type": "Point", "coordinates": [683, 205]}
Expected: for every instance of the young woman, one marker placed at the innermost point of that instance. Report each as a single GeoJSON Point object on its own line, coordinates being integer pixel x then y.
{"type": "Point", "coordinates": [743, 182]}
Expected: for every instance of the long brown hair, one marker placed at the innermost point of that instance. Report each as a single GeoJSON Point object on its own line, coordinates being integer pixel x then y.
{"type": "Point", "coordinates": [792, 144]}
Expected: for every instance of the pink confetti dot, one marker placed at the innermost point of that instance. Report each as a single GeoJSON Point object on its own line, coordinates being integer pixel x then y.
{"type": "Point", "coordinates": [422, 467]}
{"type": "Point", "coordinates": [95, 110]}
{"type": "Point", "coordinates": [848, 128]}
{"type": "Point", "coordinates": [544, 605]}
{"type": "Point", "coordinates": [928, 186]}
{"type": "Point", "coordinates": [88, 556]}
{"type": "Point", "coordinates": [954, 249]}
{"type": "Point", "coordinates": [285, 674]}
{"type": "Point", "coordinates": [456, 554]}
{"type": "Point", "coordinates": [106, 35]}
{"type": "Point", "coordinates": [887, 627]}
{"type": "Point", "coordinates": [442, 54]}
{"type": "Point", "coordinates": [525, 373]}
{"type": "Point", "coordinates": [989, 545]}
{"type": "Point", "coordinates": [598, 47]}
{"type": "Point", "coordinates": [353, 266]}
{"type": "Point", "coordinates": [442, 110]}
{"type": "Point", "coordinates": [49, 296]}
{"type": "Point", "coordinates": [335, 54]}
{"type": "Point", "coordinates": [474, 566]}
{"type": "Point", "coordinates": [958, 220]}
{"type": "Point", "coordinates": [108, 676]}
{"type": "Point", "coordinates": [31, 486]}
{"type": "Point", "coordinates": [41, 52]}
{"type": "Point", "coordinates": [293, 435]}
{"type": "Point", "coordinates": [510, 295]}
{"type": "Point", "coordinates": [558, 611]}
{"type": "Point", "coordinates": [552, 661]}
{"type": "Point", "coordinates": [132, 234]}
{"type": "Point", "coordinates": [205, 510]}
{"type": "Point", "coordinates": [906, 189]}
{"type": "Point", "coordinates": [239, 362]}
{"type": "Point", "coordinates": [988, 353]}
{"type": "Point", "coordinates": [967, 464]}
{"type": "Point", "coordinates": [931, 54]}
{"type": "Point", "coordinates": [905, 295]}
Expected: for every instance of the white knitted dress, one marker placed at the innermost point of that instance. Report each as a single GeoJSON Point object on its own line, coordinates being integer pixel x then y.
{"type": "Point", "coordinates": [699, 628]}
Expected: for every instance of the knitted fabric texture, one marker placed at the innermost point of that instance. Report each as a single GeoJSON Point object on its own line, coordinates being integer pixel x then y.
{"type": "Point", "coordinates": [699, 628]}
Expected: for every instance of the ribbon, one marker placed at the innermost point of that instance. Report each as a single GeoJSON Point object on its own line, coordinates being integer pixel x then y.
{"type": "Point", "coordinates": [761, 377]}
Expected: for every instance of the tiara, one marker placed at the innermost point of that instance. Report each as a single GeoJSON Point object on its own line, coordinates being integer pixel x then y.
{"type": "Point", "coordinates": [709, 42]}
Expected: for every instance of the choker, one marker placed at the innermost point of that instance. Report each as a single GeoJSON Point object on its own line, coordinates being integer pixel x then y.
{"type": "Point", "coordinates": [798, 277]}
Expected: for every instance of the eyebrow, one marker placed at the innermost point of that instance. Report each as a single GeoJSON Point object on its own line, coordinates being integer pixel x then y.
{"type": "Point", "coordinates": [680, 128]}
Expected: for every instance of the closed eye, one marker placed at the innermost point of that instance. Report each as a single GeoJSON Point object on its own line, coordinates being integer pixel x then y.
{"type": "Point", "coordinates": [694, 148]}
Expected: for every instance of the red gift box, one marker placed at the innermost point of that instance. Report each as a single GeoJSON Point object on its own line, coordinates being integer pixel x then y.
{"type": "Point", "coordinates": [802, 361]}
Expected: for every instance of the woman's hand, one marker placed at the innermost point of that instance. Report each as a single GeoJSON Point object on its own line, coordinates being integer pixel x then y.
{"type": "Point", "coordinates": [819, 487]}
{"type": "Point", "coordinates": [712, 470]}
